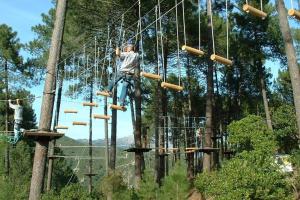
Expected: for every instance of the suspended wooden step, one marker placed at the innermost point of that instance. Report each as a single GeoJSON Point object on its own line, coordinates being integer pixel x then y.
{"type": "Point", "coordinates": [42, 135]}
{"type": "Point", "coordinates": [117, 107]}
{"type": "Point", "coordinates": [208, 149]}
{"type": "Point", "coordinates": [151, 76]}
{"type": "Point", "coordinates": [171, 86]}
{"type": "Point", "coordinates": [61, 127]}
{"type": "Point", "coordinates": [103, 93]}
{"type": "Point", "coordinates": [190, 151]}
{"type": "Point", "coordinates": [254, 11]}
{"type": "Point", "coordinates": [102, 116]}
{"type": "Point", "coordinates": [138, 150]}
{"type": "Point", "coordinates": [91, 104]}
{"type": "Point", "coordinates": [191, 50]}
{"type": "Point", "coordinates": [70, 111]}
{"type": "Point", "coordinates": [294, 13]}
{"type": "Point", "coordinates": [79, 123]}
{"type": "Point", "coordinates": [191, 148]}
{"type": "Point", "coordinates": [221, 59]}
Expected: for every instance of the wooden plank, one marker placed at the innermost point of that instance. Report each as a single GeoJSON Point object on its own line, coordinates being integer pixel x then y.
{"type": "Point", "coordinates": [192, 50]}
{"type": "Point", "coordinates": [70, 111]}
{"type": "Point", "coordinates": [42, 134]}
{"type": "Point", "coordinates": [102, 93]}
{"type": "Point", "coordinates": [151, 76]}
{"type": "Point", "coordinates": [102, 117]}
{"type": "Point", "coordinates": [171, 86]}
{"type": "Point", "coordinates": [294, 13]}
{"type": "Point", "coordinates": [117, 107]}
{"type": "Point", "coordinates": [221, 59]}
{"type": "Point", "coordinates": [92, 104]}
{"type": "Point", "coordinates": [79, 123]}
{"type": "Point", "coordinates": [61, 127]}
{"type": "Point", "coordinates": [254, 11]}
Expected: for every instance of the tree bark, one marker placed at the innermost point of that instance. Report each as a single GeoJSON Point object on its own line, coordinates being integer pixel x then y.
{"type": "Point", "coordinates": [41, 148]}
{"type": "Point", "coordinates": [291, 57]}
{"type": "Point", "coordinates": [138, 127]}
{"type": "Point", "coordinates": [55, 123]}
{"type": "Point", "coordinates": [7, 149]}
{"type": "Point", "coordinates": [264, 95]}
{"type": "Point", "coordinates": [209, 97]}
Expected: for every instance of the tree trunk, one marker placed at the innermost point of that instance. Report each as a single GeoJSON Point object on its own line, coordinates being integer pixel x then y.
{"type": "Point", "coordinates": [91, 139]}
{"type": "Point", "coordinates": [7, 150]}
{"type": "Point", "coordinates": [41, 148]}
{"type": "Point", "coordinates": [138, 127]}
{"type": "Point", "coordinates": [113, 136]}
{"type": "Point", "coordinates": [55, 123]}
{"type": "Point", "coordinates": [106, 137]}
{"type": "Point", "coordinates": [291, 57]}
{"type": "Point", "coordinates": [264, 94]}
{"type": "Point", "coordinates": [209, 97]}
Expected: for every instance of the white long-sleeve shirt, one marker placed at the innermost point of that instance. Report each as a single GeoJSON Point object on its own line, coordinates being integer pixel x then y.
{"type": "Point", "coordinates": [130, 60]}
{"type": "Point", "coordinates": [18, 111]}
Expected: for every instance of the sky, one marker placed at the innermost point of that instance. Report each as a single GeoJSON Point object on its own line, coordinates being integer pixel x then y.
{"type": "Point", "coordinates": [21, 15]}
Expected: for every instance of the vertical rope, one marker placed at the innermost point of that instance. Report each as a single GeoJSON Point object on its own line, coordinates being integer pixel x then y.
{"type": "Point", "coordinates": [199, 19]}
{"type": "Point", "coordinates": [178, 46]}
{"type": "Point", "coordinates": [247, 2]}
{"type": "Point", "coordinates": [212, 26]}
{"type": "Point", "coordinates": [261, 5]}
{"type": "Point", "coordinates": [292, 4]}
{"type": "Point", "coordinates": [141, 36]}
{"type": "Point", "coordinates": [183, 16]}
{"type": "Point", "coordinates": [227, 30]}
{"type": "Point", "coordinates": [157, 40]}
{"type": "Point", "coordinates": [95, 63]}
{"type": "Point", "coordinates": [73, 78]}
{"type": "Point", "coordinates": [161, 41]}
{"type": "Point", "coordinates": [78, 81]}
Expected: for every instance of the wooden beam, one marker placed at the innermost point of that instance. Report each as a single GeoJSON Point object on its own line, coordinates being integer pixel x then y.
{"type": "Point", "coordinates": [42, 134]}
{"type": "Point", "coordinates": [151, 76]}
{"type": "Point", "coordinates": [254, 11]}
{"type": "Point", "coordinates": [61, 127]}
{"type": "Point", "coordinates": [92, 104]}
{"type": "Point", "coordinates": [103, 93]}
{"type": "Point", "coordinates": [190, 151]}
{"type": "Point", "coordinates": [117, 107]}
{"type": "Point", "coordinates": [102, 117]}
{"type": "Point", "coordinates": [70, 111]}
{"type": "Point", "coordinates": [191, 50]}
{"type": "Point", "coordinates": [294, 13]}
{"type": "Point", "coordinates": [79, 123]}
{"type": "Point", "coordinates": [171, 86]}
{"type": "Point", "coordinates": [221, 59]}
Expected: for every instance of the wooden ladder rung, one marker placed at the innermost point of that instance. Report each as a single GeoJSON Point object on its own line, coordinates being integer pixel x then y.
{"type": "Point", "coordinates": [103, 93]}
{"type": "Point", "coordinates": [61, 127]}
{"type": "Point", "coordinates": [102, 116]}
{"type": "Point", "coordinates": [117, 107]}
{"type": "Point", "coordinates": [70, 111]}
{"type": "Point", "coordinates": [192, 50]}
{"type": "Point", "coordinates": [92, 104]}
{"type": "Point", "coordinates": [79, 123]}
{"type": "Point", "coordinates": [294, 13]}
{"type": "Point", "coordinates": [221, 59]}
{"type": "Point", "coordinates": [151, 76]}
{"type": "Point", "coordinates": [254, 11]}
{"type": "Point", "coordinates": [171, 86]}
{"type": "Point", "coordinates": [191, 148]}
{"type": "Point", "coordinates": [190, 151]}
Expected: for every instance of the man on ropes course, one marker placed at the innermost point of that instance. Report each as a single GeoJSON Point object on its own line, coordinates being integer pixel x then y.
{"type": "Point", "coordinates": [129, 61]}
{"type": "Point", "coordinates": [18, 118]}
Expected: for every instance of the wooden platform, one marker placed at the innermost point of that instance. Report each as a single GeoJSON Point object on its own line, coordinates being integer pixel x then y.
{"type": "Point", "coordinates": [136, 150]}
{"type": "Point", "coordinates": [207, 150]}
{"type": "Point", "coordinates": [42, 135]}
{"type": "Point", "coordinates": [229, 152]}
{"type": "Point", "coordinates": [52, 157]}
{"type": "Point", "coordinates": [90, 174]}
{"type": "Point", "coordinates": [216, 137]}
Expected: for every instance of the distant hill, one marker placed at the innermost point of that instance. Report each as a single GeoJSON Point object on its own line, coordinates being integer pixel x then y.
{"type": "Point", "coordinates": [121, 142]}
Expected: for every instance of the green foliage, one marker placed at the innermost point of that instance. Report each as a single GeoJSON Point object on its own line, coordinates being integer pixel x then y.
{"type": "Point", "coordinates": [176, 185]}
{"type": "Point", "coordinates": [251, 133]}
{"type": "Point", "coordinates": [71, 192]}
{"type": "Point", "coordinates": [149, 189]}
{"type": "Point", "coordinates": [285, 128]}
{"type": "Point", "coordinates": [252, 174]}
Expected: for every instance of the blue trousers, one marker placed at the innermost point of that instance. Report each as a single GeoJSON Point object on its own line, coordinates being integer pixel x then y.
{"type": "Point", "coordinates": [17, 129]}
{"type": "Point", "coordinates": [127, 81]}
